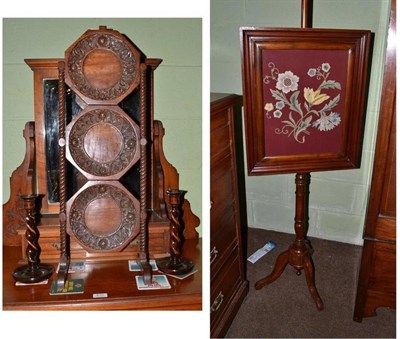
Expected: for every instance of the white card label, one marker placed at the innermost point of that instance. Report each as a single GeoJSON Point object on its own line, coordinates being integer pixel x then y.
{"type": "Point", "coordinates": [269, 246]}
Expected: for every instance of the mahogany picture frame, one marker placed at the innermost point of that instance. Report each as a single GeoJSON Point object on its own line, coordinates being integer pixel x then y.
{"type": "Point", "coordinates": [304, 97]}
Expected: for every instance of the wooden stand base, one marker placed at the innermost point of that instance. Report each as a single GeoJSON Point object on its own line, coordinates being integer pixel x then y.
{"type": "Point", "coordinates": [299, 253]}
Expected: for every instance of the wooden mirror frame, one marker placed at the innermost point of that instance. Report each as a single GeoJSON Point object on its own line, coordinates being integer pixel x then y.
{"type": "Point", "coordinates": [256, 40]}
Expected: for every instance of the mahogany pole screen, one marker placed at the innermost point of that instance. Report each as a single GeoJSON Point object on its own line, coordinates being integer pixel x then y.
{"type": "Point", "coordinates": [304, 98]}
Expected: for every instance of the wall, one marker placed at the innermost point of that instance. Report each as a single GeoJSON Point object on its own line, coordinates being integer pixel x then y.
{"type": "Point", "coordinates": [178, 84]}
{"type": "Point", "coordinates": [338, 199]}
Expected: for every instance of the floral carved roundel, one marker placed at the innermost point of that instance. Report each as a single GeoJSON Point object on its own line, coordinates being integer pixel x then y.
{"type": "Point", "coordinates": [102, 67]}
{"type": "Point", "coordinates": [104, 217]}
{"type": "Point", "coordinates": [103, 143]}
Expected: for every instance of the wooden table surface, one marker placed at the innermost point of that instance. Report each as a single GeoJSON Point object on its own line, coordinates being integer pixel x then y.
{"type": "Point", "coordinates": [113, 278]}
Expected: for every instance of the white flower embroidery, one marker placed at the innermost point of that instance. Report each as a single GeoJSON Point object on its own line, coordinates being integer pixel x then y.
{"type": "Point", "coordinates": [312, 72]}
{"type": "Point", "coordinates": [326, 67]}
{"type": "Point", "coordinates": [287, 82]}
{"type": "Point", "coordinates": [277, 114]}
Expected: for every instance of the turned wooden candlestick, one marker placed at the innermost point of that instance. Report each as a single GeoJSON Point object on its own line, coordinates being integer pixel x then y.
{"type": "Point", "coordinates": [33, 272]}
{"type": "Point", "coordinates": [175, 264]}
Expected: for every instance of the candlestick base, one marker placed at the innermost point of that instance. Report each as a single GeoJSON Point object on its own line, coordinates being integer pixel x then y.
{"type": "Point", "coordinates": [28, 275]}
{"type": "Point", "coordinates": [181, 266]}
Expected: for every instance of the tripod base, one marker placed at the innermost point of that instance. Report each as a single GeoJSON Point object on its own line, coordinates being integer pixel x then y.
{"type": "Point", "coordinates": [182, 266]}
{"type": "Point", "coordinates": [28, 275]}
{"type": "Point", "coordinates": [299, 254]}
{"type": "Point", "coordinates": [299, 262]}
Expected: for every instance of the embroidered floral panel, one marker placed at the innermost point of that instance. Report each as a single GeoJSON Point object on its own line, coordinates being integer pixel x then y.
{"type": "Point", "coordinates": [303, 100]}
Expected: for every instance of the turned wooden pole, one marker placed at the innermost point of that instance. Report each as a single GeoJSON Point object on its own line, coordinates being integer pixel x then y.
{"type": "Point", "coordinates": [298, 249]}
{"type": "Point", "coordinates": [306, 13]}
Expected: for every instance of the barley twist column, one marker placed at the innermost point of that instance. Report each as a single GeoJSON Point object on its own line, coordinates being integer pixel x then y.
{"type": "Point", "coordinates": [33, 272]}
{"type": "Point", "coordinates": [143, 180]}
{"type": "Point", "coordinates": [175, 264]}
{"type": "Point", "coordinates": [64, 258]}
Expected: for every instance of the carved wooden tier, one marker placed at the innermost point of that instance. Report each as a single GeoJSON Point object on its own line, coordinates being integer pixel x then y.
{"type": "Point", "coordinates": [103, 216]}
{"type": "Point", "coordinates": [108, 102]}
{"type": "Point", "coordinates": [103, 142]}
{"type": "Point", "coordinates": [86, 73]}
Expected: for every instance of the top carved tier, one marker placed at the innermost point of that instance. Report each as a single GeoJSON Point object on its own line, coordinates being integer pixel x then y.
{"type": "Point", "coordinates": [102, 66]}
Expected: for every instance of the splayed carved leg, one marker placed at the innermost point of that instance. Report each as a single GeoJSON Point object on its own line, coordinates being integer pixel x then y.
{"type": "Point", "coordinates": [310, 277]}
{"type": "Point", "coordinates": [280, 264]}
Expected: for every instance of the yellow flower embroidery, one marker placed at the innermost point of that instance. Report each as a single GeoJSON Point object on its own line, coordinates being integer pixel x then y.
{"type": "Point", "coordinates": [269, 107]}
{"type": "Point", "coordinates": [314, 98]}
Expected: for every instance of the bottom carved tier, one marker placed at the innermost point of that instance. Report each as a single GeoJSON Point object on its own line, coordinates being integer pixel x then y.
{"type": "Point", "coordinates": [50, 244]}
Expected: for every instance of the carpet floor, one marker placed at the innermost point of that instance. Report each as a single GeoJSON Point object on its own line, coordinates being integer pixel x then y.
{"type": "Point", "coordinates": [285, 308]}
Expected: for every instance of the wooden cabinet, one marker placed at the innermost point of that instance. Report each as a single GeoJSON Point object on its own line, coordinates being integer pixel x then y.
{"type": "Point", "coordinates": [227, 258]}
{"type": "Point", "coordinates": [377, 278]}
